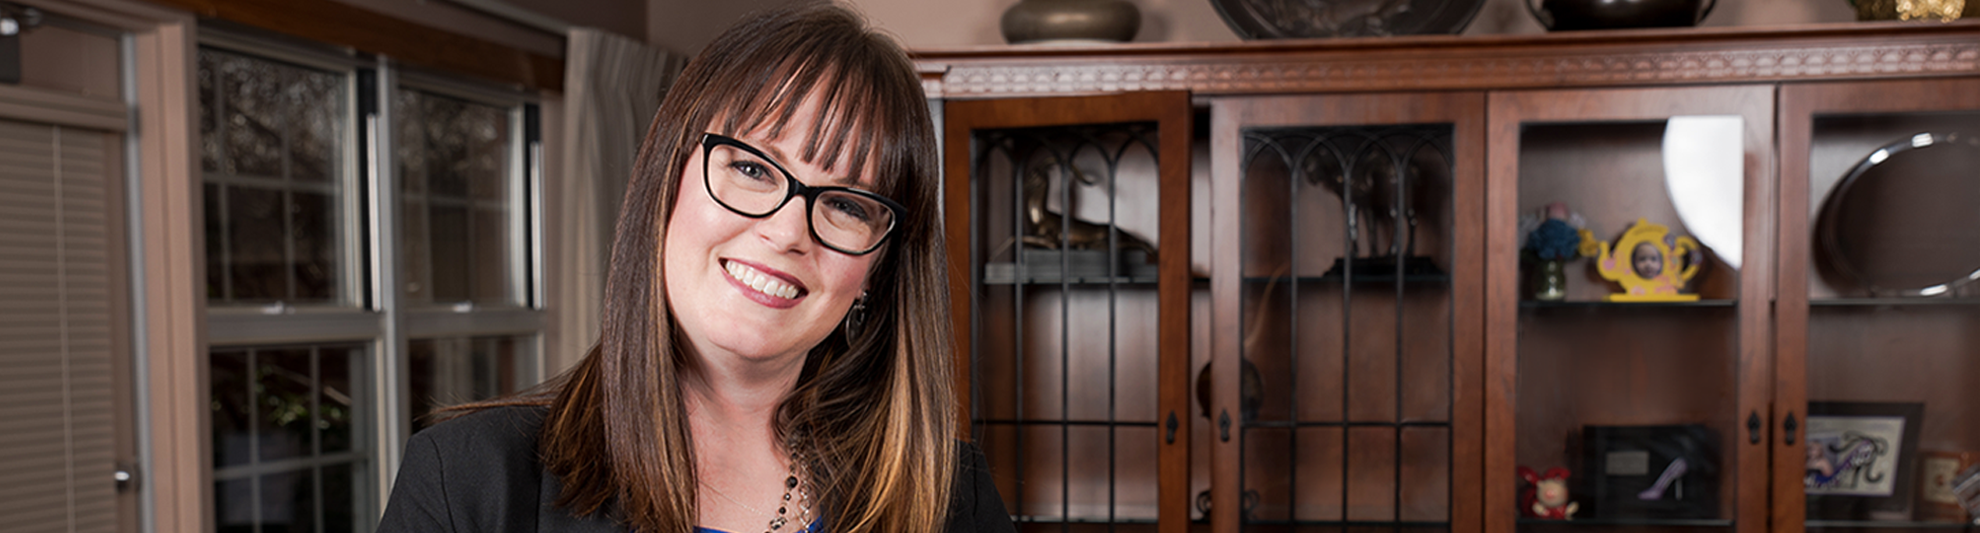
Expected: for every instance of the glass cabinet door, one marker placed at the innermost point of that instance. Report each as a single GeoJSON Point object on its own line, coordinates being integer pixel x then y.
{"type": "Point", "coordinates": [1070, 219]}
{"type": "Point", "coordinates": [1628, 268]}
{"type": "Point", "coordinates": [1341, 264]}
{"type": "Point", "coordinates": [1878, 415]}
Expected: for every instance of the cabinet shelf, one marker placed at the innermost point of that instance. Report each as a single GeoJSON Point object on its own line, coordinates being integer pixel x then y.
{"type": "Point", "coordinates": [1877, 524]}
{"type": "Point", "coordinates": [1894, 302]}
{"type": "Point", "coordinates": [1077, 267]}
{"type": "Point", "coordinates": [1053, 274]}
{"type": "Point", "coordinates": [1372, 278]}
{"type": "Point", "coordinates": [1027, 519]}
{"type": "Point", "coordinates": [1281, 424]}
{"type": "Point", "coordinates": [1536, 304]}
{"type": "Point", "coordinates": [1350, 523]}
{"type": "Point", "coordinates": [1083, 423]}
{"type": "Point", "coordinates": [1054, 279]}
{"type": "Point", "coordinates": [1629, 522]}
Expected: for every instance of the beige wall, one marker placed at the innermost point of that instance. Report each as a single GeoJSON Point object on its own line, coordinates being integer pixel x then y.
{"type": "Point", "coordinates": [684, 26]}
{"type": "Point", "coordinates": [949, 23]}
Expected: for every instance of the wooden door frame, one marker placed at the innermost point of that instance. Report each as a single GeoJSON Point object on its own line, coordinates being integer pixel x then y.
{"type": "Point", "coordinates": [1799, 104]}
{"type": "Point", "coordinates": [1170, 110]}
{"type": "Point", "coordinates": [1508, 111]}
{"type": "Point", "coordinates": [1465, 111]}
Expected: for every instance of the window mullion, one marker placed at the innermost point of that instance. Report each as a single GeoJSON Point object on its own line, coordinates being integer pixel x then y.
{"type": "Point", "coordinates": [390, 378]}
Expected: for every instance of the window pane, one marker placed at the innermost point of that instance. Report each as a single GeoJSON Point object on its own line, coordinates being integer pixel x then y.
{"type": "Point", "coordinates": [283, 399]}
{"type": "Point", "coordinates": [313, 114]}
{"type": "Point", "coordinates": [257, 256]}
{"type": "Point", "coordinates": [209, 113]}
{"type": "Point", "coordinates": [286, 457]}
{"type": "Point", "coordinates": [251, 107]}
{"type": "Point", "coordinates": [340, 485]}
{"type": "Point", "coordinates": [490, 247]}
{"type": "Point", "coordinates": [452, 269]}
{"type": "Point", "coordinates": [450, 371]}
{"type": "Point", "coordinates": [273, 145]}
{"type": "Point", "coordinates": [232, 427]}
{"type": "Point", "coordinates": [233, 505]}
{"type": "Point", "coordinates": [337, 399]}
{"type": "Point", "coordinates": [288, 502]}
{"type": "Point", "coordinates": [314, 232]}
{"type": "Point", "coordinates": [456, 178]}
{"type": "Point", "coordinates": [216, 240]}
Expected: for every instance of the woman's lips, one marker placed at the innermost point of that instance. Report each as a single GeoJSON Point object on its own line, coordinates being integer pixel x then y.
{"type": "Point", "coordinates": [764, 285]}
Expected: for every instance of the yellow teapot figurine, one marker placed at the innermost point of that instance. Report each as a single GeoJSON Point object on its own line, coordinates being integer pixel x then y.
{"type": "Point", "coordinates": [1649, 271]}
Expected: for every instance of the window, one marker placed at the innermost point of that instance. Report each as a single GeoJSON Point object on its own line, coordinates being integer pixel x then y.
{"type": "Point", "coordinates": [459, 210]}
{"type": "Point", "coordinates": [272, 137]}
{"type": "Point", "coordinates": [347, 298]}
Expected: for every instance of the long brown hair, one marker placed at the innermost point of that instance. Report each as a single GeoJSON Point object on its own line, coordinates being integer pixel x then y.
{"type": "Point", "coordinates": [874, 414]}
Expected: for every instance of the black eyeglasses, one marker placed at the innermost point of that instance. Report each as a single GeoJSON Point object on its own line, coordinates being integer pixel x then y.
{"type": "Point", "coordinates": [746, 181]}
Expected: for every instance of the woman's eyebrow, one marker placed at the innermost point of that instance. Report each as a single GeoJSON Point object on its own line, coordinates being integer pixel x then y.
{"type": "Point", "coordinates": [778, 155]}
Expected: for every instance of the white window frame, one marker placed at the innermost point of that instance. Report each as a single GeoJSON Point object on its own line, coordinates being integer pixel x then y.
{"type": "Point", "coordinates": [375, 311]}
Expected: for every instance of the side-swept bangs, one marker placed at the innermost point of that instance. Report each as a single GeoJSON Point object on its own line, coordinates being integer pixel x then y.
{"type": "Point", "coordinates": [863, 114]}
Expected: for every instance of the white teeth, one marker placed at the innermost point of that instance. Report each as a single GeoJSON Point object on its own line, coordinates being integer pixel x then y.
{"type": "Point", "coordinates": [762, 283]}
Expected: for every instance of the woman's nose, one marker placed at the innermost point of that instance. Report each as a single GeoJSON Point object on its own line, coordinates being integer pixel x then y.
{"type": "Point", "coordinates": [787, 228]}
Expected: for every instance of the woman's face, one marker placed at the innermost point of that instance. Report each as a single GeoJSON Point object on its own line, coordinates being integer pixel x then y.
{"type": "Point", "coordinates": [759, 288]}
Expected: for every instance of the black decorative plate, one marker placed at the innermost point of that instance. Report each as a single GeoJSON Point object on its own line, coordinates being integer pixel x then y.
{"type": "Point", "coordinates": [1293, 19]}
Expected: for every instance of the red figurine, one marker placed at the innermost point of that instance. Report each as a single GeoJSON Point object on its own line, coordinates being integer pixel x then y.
{"type": "Point", "coordinates": [1547, 497]}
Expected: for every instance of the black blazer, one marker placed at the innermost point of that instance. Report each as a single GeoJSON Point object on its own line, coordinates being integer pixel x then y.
{"type": "Point", "coordinates": [480, 473]}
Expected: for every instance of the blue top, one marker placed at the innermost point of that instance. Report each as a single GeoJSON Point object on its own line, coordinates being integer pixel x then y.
{"type": "Point", "coordinates": [813, 528]}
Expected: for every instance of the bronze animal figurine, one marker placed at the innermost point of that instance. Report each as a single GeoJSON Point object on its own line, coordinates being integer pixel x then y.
{"type": "Point", "coordinates": [1045, 229]}
{"type": "Point", "coordinates": [1371, 191]}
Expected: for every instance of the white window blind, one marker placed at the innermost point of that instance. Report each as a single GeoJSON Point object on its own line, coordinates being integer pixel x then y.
{"type": "Point", "coordinates": [56, 412]}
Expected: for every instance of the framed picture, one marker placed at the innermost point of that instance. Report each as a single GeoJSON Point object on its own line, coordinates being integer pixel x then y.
{"type": "Point", "coordinates": [1861, 459]}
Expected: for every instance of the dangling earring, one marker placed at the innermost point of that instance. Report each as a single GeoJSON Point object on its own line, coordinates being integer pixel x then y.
{"type": "Point", "coordinates": [856, 318]}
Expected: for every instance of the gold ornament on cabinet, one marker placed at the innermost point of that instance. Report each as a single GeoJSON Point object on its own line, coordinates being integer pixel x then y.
{"type": "Point", "coordinates": [1940, 10]}
{"type": "Point", "coordinates": [1647, 261]}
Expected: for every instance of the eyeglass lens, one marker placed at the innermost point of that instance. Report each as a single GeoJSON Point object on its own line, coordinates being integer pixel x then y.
{"type": "Point", "coordinates": [753, 186]}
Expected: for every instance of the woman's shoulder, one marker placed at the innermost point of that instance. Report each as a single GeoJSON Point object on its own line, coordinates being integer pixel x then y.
{"type": "Point", "coordinates": [975, 505]}
{"type": "Point", "coordinates": [507, 431]}
{"type": "Point", "coordinates": [474, 472]}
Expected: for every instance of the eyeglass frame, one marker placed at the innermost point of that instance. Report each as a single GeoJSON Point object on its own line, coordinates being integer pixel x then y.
{"type": "Point", "coordinates": [796, 188]}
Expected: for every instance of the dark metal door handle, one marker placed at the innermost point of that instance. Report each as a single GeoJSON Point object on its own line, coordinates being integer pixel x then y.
{"type": "Point", "coordinates": [1789, 426]}
{"type": "Point", "coordinates": [1224, 425]}
{"type": "Point", "coordinates": [1753, 427]}
{"type": "Point", "coordinates": [1172, 428]}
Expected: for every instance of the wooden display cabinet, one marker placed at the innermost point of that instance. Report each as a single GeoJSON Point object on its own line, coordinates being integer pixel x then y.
{"type": "Point", "coordinates": [1396, 399]}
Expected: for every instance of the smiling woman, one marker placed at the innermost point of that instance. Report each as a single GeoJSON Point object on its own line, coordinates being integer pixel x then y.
{"type": "Point", "coordinates": [775, 354]}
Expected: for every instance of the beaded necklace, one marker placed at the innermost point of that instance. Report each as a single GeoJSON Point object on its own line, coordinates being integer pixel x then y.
{"type": "Point", "coordinates": [794, 496]}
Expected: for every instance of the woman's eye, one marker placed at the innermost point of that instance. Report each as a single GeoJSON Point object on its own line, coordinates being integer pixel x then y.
{"type": "Point", "coordinates": [849, 208]}
{"type": "Point", "coordinates": [752, 170]}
